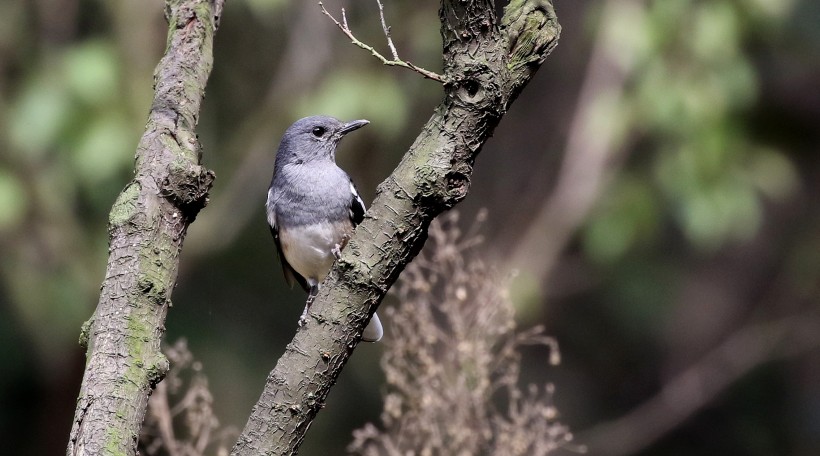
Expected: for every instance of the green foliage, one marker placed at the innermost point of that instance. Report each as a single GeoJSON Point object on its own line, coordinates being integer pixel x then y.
{"type": "Point", "coordinates": [13, 200]}
{"type": "Point", "coordinates": [38, 116]}
{"type": "Point", "coordinates": [92, 72]}
{"type": "Point", "coordinates": [68, 145]}
{"type": "Point", "coordinates": [691, 87]}
{"type": "Point", "coordinates": [628, 217]}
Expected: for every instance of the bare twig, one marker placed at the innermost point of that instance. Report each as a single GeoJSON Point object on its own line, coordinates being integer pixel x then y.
{"type": "Point", "coordinates": [387, 31]}
{"type": "Point", "coordinates": [188, 427]}
{"type": "Point", "coordinates": [455, 347]}
{"type": "Point", "coordinates": [396, 60]}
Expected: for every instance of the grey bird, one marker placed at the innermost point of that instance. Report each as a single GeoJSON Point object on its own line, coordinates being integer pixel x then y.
{"type": "Point", "coordinates": [313, 206]}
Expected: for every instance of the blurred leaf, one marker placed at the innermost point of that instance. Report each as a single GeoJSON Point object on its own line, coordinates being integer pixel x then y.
{"type": "Point", "coordinates": [91, 72]}
{"type": "Point", "coordinates": [526, 296]}
{"type": "Point", "coordinates": [13, 200]}
{"type": "Point", "coordinates": [773, 174]}
{"type": "Point", "coordinates": [665, 20]}
{"type": "Point", "coordinates": [608, 237]}
{"type": "Point", "coordinates": [627, 216]}
{"type": "Point", "coordinates": [774, 11]}
{"type": "Point", "coordinates": [729, 211]}
{"type": "Point", "coordinates": [739, 83]}
{"type": "Point", "coordinates": [715, 33]}
{"type": "Point", "coordinates": [104, 150]}
{"type": "Point", "coordinates": [629, 30]}
{"type": "Point", "coordinates": [38, 116]}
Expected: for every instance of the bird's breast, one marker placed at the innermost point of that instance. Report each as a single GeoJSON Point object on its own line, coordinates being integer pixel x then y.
{"type": "Point", "coordinates": [309, 248]}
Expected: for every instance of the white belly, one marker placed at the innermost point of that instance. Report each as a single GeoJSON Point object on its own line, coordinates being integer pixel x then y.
{"type": "Point", "coordinates": [309, 249]}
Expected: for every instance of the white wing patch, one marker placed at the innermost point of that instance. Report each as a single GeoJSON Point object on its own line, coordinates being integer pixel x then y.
{"type": "Point", "coordinates": [270, 207]}
{"type": "Point", "coordinates": [357, 200]}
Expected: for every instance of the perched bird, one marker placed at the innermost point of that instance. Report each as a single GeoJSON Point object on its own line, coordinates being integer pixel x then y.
{"type": "Point", "coordinates": [313, 205]}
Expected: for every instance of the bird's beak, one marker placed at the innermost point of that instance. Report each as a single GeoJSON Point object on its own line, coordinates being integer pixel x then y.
{"type": "Point", "coordinates": [353, 125]}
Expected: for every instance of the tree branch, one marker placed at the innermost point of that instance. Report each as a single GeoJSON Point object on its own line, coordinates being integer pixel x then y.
{"type": "Point", "coordinates": [396, 60]}
{"type": "Point", "coordinates": [486, 66]}
{"type": "Point", "coordinates": [147, 225]}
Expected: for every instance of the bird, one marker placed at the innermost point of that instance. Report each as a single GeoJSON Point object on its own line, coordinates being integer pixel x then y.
{"type": "Point", "coordinates": [312, 206]}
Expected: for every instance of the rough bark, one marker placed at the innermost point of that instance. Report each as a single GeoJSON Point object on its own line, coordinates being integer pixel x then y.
{"type": "Point", "coordinates": [147, 225]}
{"type": "Point", "coordinates": [486, 65]}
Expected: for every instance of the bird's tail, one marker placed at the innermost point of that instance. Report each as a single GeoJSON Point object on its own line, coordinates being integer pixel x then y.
{"type": "Point", "coordinates": [374, 331]}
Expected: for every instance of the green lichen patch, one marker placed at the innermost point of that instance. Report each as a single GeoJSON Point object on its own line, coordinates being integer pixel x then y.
{"type": "Point", "coordinates": [114, 441]}
{"type": "Point", "coordinates": [125, 207]}
{"type": "Point", "coordinates": [85, 332]}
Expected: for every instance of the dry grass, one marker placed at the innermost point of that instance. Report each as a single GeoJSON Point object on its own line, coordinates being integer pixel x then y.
{"type": "Point", "coordinates": [452, 362]}
{"type": "Point", "coordinates": [180, 420]}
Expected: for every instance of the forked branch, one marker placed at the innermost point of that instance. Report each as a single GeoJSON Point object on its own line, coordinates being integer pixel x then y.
{"type": "Point", "coordinates": [487, 65]}
{"type": "Point", "coordinates": [395, 61]}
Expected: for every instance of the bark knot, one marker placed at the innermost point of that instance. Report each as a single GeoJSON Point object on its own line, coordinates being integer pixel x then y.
{"type": "Point", "coordinates": [187, 186]}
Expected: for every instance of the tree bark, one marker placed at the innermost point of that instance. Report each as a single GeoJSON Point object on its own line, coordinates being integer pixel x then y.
{"type": "Point", "coordinates": [147, 225]}
{"type": "Point", "coordinates": [486, 65]}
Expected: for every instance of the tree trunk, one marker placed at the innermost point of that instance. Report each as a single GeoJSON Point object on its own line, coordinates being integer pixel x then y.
{"type": "Point", "coordinates": [147, 225]}
{"type": "Point", "coordinates": [486, 65]}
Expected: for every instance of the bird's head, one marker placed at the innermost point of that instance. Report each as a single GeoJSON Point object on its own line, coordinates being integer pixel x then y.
{"type": "Point", "coordinates": [314, 138]}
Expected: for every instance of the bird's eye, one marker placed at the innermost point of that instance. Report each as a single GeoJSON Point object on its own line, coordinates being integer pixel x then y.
{"type": "Point", "coordinates": [318, 132]}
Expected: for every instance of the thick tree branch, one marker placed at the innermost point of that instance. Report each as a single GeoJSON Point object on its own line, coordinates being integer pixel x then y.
{"type": "Point", "coordinates": [486, 66]}
{"type": "Point", "coordinates": [147, 225]}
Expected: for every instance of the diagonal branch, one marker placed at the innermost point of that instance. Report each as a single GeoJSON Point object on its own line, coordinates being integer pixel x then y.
{"type": "Point", "coordinates": [486, 66]}
{"type": "Point", "coordinates": [396, 61]}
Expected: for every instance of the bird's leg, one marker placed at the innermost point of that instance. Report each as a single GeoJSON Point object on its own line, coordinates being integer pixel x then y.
{"type": "Point", "coordinates": [314, 290]}
{"type": "Point", "coordinates": [337, 248]}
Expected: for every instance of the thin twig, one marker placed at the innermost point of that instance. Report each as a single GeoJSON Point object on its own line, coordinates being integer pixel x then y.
{"type": "Point", "coordinates": [396, 60]}
{"type": "Point", "coordinates": [387, 31]}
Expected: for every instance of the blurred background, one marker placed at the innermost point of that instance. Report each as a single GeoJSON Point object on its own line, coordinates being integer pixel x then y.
{"type": "Point", "coordinates": [655, 188]}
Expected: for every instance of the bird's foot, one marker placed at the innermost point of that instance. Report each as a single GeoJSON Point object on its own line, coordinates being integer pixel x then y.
{"type": "Point", "coordinates": [303, 317]}
{"type": "Point", "coordinates": [337, 248]}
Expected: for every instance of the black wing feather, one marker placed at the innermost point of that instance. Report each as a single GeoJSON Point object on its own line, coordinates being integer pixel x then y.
{"type": "Point", "coordinates": [356, 206]}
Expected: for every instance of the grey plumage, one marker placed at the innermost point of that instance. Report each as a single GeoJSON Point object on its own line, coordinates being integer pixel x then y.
{"type": "Point", "coordinates": [313, 206]}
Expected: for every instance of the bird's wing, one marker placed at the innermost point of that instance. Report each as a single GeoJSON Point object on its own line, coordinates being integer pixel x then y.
{"type": "Point", "coordinates": [356, 206]}
{"type": "Point", "coordinates": [291, 276]}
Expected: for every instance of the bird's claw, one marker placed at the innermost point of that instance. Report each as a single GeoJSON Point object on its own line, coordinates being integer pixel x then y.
{"type": "Point", "coordinates": [337, 248]}
{"type": "Point", "coordinates": [303, 317]}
